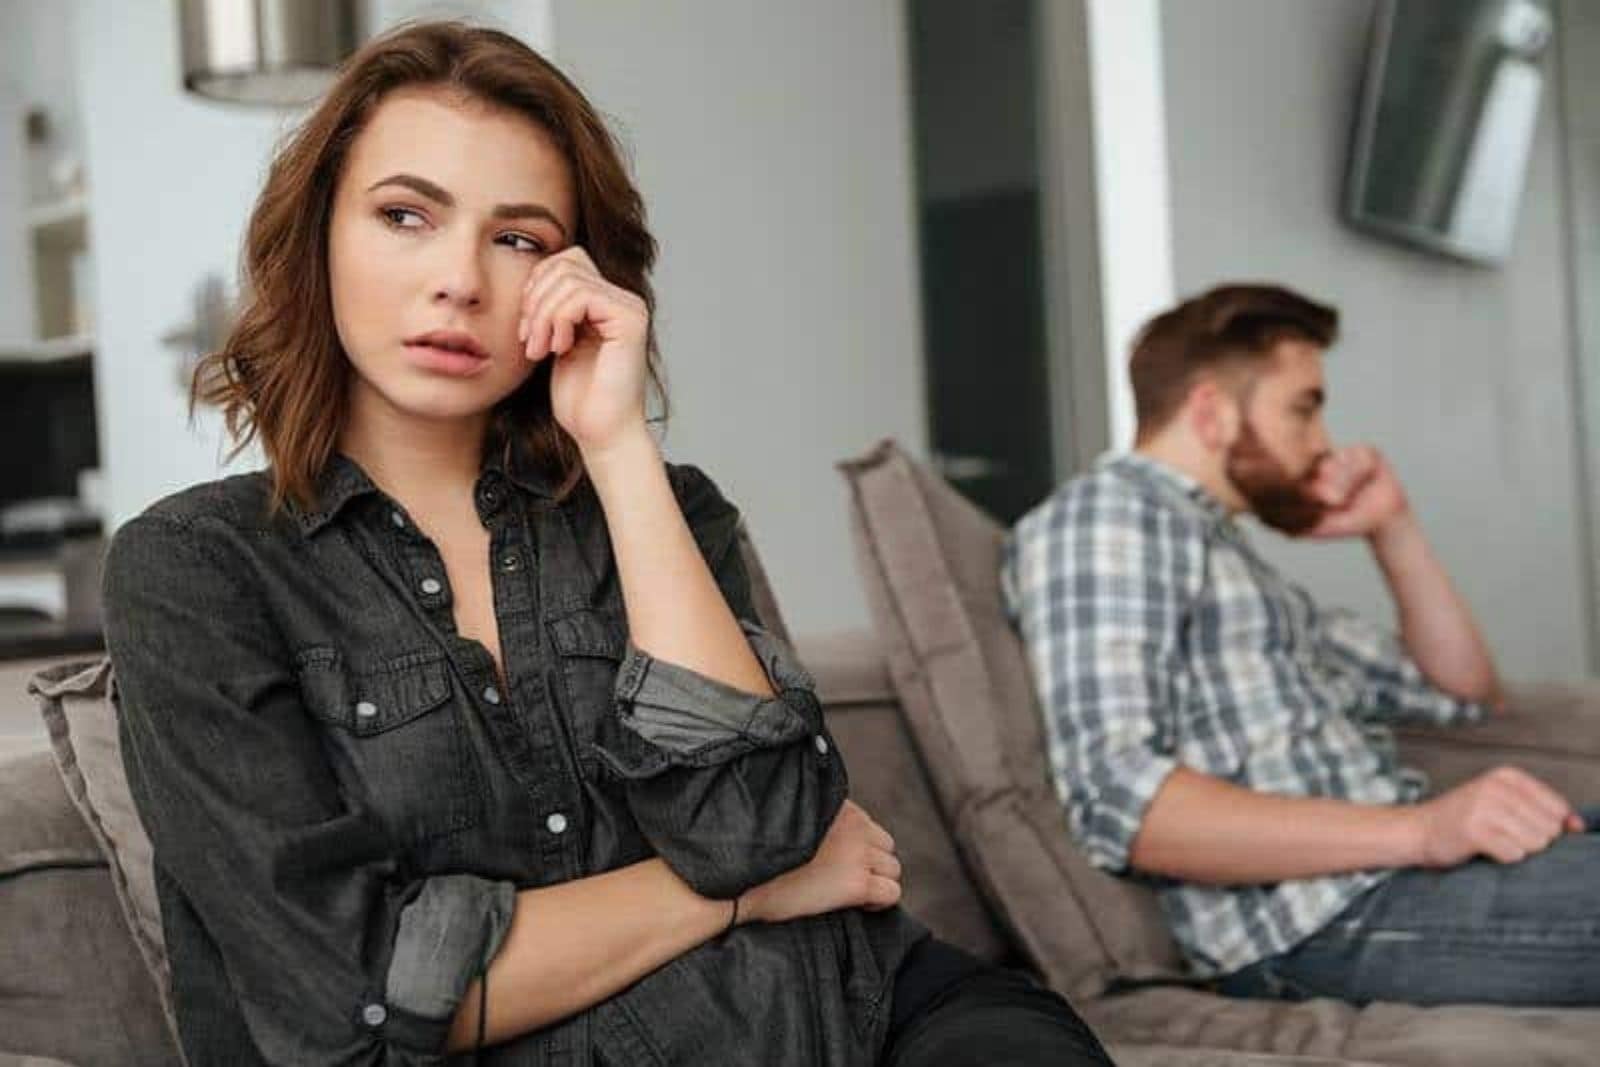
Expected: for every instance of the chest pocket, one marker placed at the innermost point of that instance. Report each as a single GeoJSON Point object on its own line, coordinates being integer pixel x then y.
{"type": "Point", "coordinates": [398, 739]}
{"type": "Point", "coordinates": [589, 646]}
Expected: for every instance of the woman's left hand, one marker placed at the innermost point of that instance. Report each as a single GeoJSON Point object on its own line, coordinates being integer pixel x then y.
{"type": "Point", "coordinates": [597, 334]}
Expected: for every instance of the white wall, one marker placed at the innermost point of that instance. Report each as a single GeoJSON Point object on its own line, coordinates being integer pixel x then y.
{"type": "Point", "coordinates": [1461, 374]}
{"type": "Point", "coordinates": [772, 145]}
{"type": "Point", "coordinates": [35, 49]}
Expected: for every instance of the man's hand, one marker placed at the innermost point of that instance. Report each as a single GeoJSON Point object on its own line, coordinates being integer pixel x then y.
{"type": "Point", "coordinates": [1505, 814]}
{"type": "Point", "coordinates": [1361, 491]}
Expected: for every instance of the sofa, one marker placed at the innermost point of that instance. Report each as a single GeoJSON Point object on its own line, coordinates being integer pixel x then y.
{"type": "Point", "coordinates": [934, 714]}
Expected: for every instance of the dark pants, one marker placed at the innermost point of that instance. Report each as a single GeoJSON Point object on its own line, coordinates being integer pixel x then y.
{"type": "Point", "coordinates": [952, 1010]}
{"type": "Point", "coordinates": [1486, 933]}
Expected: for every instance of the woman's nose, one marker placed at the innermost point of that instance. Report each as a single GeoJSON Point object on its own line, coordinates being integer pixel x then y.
{"type": "Point", "coordinates": [463, 281]}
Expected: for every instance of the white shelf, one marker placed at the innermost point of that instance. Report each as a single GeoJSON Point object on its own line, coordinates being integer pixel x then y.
{"type": "Point", "coordinates": [57, 348]}
{"type": "Point", "coordinates": [65, 212]}
{"type": "Point", "coordinates": [61, 227]}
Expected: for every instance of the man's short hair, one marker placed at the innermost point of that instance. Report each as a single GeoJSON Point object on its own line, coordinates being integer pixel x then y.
{"type": "Point", "coordinates": [1225, 327]}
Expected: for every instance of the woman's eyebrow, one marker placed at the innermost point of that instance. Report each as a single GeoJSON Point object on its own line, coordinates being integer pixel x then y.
{"type": "Point", "coordinates": [442, 196]}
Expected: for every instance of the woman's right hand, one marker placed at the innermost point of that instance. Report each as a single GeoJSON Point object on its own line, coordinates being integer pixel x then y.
{"type": "Point", "coordinates": [854, 867]}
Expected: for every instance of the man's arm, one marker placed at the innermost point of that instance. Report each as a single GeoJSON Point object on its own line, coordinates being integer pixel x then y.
{"type": "Point", "coordinates": [1202, 829]}
{"type": "Point", "coordinates": [1366, 499]}
{"type": "Point", "coordinates": [1435, 622]}
{"type": "Point", "coordinates": [1097, 582]}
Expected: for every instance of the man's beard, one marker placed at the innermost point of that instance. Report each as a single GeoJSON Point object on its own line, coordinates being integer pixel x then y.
{"type": "Point", "coordinates": [1276, 498]}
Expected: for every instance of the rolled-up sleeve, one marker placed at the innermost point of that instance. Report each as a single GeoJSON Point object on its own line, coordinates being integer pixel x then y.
{"type": "Point", "coordinates": [334, 955]}
{"type": "Point", "coordinates": [1097, 584]}
{"type": "Point", "coordinates": [729, 787]}
{"type": "Point", "coordinates": [1392, 686]}
{"type": "Point", "coordinates": [443, 941]}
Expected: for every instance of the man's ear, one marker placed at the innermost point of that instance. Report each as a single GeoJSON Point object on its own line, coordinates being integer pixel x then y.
{"type": "Point", "coordinates": [1214, 415]}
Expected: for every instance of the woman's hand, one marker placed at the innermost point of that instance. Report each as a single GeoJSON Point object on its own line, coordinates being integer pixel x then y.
{"type": "Point", "coordinates": [597, 333]}
{"type": "Point", "coordinates": [854, 867]}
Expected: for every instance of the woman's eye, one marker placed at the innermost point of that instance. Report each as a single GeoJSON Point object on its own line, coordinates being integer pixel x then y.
{"type": "Point", "coordinates": [394, 218]}
{"type": "Point", "coordinates": [388, 215]}
{"type": "Point", "coordinates": [528, 243]}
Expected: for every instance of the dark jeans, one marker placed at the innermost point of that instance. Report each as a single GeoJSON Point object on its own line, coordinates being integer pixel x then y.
{"type": "Point", "coordinates": [1486, 933]}
{"type": "Point", "coordinates": [952, 1010]}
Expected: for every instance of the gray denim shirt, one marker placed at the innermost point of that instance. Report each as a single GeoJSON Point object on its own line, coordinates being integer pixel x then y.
{"type": "Point", "coordinates": [343, 802]}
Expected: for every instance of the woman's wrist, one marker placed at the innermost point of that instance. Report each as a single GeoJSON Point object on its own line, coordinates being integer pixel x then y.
{"type": "Point", "coordinates": [626, 450]}
{"type": "Point", "coordinates": [748, 905]}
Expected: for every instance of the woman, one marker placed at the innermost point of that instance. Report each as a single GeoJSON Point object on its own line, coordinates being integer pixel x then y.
{"type": "Point", "coordinates": [456, 728]}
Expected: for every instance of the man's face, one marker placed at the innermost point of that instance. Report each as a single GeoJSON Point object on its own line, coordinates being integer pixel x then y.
{"type": "Point", "coordinates": [1282, 439]}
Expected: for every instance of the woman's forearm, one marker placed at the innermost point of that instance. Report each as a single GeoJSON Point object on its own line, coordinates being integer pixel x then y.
{"type": "Point", "coordinates": [675, 610]}
{"type": "Point", "coordinates": [572, 945]}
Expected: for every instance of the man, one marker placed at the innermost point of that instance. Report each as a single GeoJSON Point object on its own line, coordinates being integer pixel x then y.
{"type": "Point", "coordinates": [1215, 731]}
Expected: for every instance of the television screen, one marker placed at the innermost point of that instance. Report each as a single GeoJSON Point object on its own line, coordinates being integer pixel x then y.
{"type": "Point", "coordinates": [1448, 110]}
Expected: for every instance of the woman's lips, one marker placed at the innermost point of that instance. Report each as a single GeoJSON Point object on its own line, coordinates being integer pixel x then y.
{"type": "Point", "coordinates": [446, 360]}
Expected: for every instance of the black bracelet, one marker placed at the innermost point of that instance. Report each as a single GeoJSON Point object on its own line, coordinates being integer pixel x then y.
{"type": "Point", "coordinates": [733, 920]}
{"type": "Point", "coordinates": [483, 1009]}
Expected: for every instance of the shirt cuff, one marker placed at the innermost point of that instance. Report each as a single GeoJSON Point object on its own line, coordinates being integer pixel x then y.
{"type": "Point", "coordinates": [694, 719]}
{"type": "Point", "coordinates": [1458, 712]}
{"type": "Point", "coordinates": [446, 936]}
{"type": "Point", "coordinates": [1107, 822]}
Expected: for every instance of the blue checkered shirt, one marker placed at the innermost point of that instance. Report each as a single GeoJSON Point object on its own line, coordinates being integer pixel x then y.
{"type": "Point", "coordinates": [1158, 637]}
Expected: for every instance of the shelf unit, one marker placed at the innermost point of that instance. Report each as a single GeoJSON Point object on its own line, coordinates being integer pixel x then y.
{"type": "Point", "coordinates": [44, 247]}
{"type": "Point", "coordinates": [60, 233]}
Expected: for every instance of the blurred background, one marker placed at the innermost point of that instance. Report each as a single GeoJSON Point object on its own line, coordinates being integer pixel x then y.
{"type": "Point", "coordinates": [934, 220]}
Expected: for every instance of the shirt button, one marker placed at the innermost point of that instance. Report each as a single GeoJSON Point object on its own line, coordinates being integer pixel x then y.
{"type": "Point", "coordinates": [366, 709]}
{"type": "Point", "coordinates": [374, 1014]}
{"type": "Point", "coordinates": [822, 745]}
{"type": "Point", "coordinates": [492, 695]}
{"type": "Point", "coordinates": [510, 561]}
{"type": "Point", "coordinates": [431, 586]}
{"type": "Point", "coordinates": [556, 823]}
{"type": "Point", "coordinates": [397, 518]}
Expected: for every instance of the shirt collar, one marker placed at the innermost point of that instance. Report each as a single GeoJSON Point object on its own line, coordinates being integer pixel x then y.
{"type": "Point", "coordinates": [513, 459]}
{"type": "Point", "coordinates": [1166, 481]}
{"type": "Point", "coordinates": [343, 480]}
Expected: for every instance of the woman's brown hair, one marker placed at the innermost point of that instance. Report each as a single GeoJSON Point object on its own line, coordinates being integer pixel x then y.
{"type": "Point", "coordinates": [282, 373]}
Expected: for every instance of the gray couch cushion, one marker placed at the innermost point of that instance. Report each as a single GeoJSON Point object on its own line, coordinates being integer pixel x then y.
{"type": "Point", "coordinates": [75, 989]}
{"type": "Point", "coordinates": [77, 701]}
{"type": "Point", "coordinates": [1174, 1056]}
{"type": "Point", "coordinates": [1399, 1034]}
{"type": "Point", "coordinates": [930, 564]}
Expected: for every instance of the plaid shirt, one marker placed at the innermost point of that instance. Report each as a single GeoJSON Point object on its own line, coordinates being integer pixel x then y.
{"type": "Point", "coordinates": [1158, 637]}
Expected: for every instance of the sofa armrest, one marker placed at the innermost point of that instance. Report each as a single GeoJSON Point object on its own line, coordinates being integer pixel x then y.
{"type": "Point", "coordinates": [849, 667]}
{"type": "Point", "coordinates": [1550, 730]}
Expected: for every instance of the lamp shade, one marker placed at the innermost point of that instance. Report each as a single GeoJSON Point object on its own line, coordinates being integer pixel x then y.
{"type": "Point", "coordinates": [273, 52]}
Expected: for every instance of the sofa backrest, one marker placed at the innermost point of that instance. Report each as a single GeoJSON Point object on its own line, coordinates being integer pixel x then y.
{"type": "Point", "coordinates": [930, 564]}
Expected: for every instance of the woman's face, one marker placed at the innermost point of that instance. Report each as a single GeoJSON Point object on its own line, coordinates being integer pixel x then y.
{"type": "Point", "coordinates": [441, 212]}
